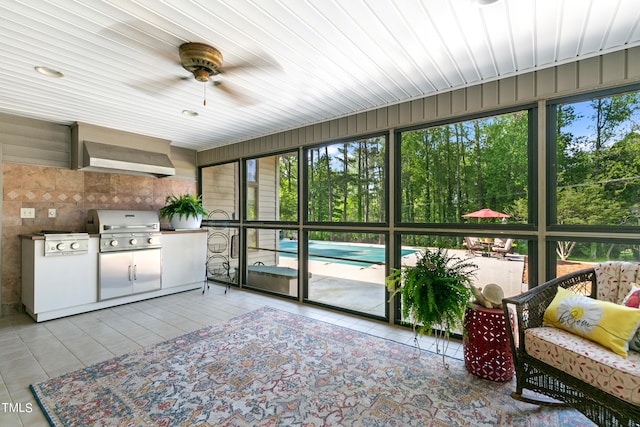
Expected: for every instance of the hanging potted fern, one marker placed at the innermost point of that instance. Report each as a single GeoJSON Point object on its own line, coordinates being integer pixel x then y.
{"type": "Point", "coordinates": [184, 211]}
{"type": "Point", "coordinates": [434, 294]}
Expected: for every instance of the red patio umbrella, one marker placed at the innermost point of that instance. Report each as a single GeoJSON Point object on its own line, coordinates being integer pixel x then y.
{"type": "Point", "coordinates": [486, 213]}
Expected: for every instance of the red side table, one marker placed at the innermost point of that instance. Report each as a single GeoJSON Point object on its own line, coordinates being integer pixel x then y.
{"type": "Point", "coordinates": [487, 352]}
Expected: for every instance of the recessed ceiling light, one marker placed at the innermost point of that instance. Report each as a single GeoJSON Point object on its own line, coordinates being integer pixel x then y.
{"type": "Point", "coordinates": [189, 113]}
{"type": "Point", "coordinates": [49, 72]}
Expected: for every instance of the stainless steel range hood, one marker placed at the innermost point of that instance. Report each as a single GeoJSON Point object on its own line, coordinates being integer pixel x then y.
{"type": "Point", "coordinates": [98, 149]}
{"type": "Point", "coordinates": [104, 157]}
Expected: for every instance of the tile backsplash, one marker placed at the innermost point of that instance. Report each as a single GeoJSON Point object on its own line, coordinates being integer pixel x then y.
{"type": "Point", "coordinates": [71, 193]}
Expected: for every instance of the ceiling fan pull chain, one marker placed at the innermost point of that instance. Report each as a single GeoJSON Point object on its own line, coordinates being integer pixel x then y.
{"type": "Point", "coordinates": [205, 95]}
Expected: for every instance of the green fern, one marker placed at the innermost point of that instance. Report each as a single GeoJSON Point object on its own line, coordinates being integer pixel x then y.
{"type": "Point", "coordinates": [436, 292]}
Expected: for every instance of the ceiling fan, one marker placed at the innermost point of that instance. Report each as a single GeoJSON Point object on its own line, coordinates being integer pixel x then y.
{"type": "Point", "coordinates": [205, 62]}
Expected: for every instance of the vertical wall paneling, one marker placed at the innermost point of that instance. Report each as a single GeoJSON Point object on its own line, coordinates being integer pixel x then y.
{"type": "Point", "coordinates": [430, 109]}
{"type": "Point", "coordinates": [546, 82]}
{"type": "Point", "coordinates": [613, 69]}
{"type": "Point", "coordinates": [382, 117]}
{"type": "Point", "coordinates": [507, 91]}
{"type": "Point", "coordinates": [325, 133]}
{"type": "Point", "coordinates": [443, 106]}
{"type": "Point", "coordinates": [361, 123]}
{"type": "Point", "coordinates": [633, 64]}
{"type": "Point", "coordinates": [372, 123]}
{"type": "Point", "coordinates": [567, 77]}
{"type": "Point", "coordinates": [417, 110]}
{"type": "Point", "coordinates": [404, 113]}
{"type": "Point", "coordinates": [491, 95]}
{"type": "Point", "coordinates": [393, 115]}
{"type": "Point", "coordinates": [589, 72]}
{"type": "Point", "coordinates": [526, 86]}
{"type": "Point", "coordinates": [317, 132]}
{"type": "Point", "coordinates": [458, 101]}
{"type": "Point", "coordinates": [334, 129]}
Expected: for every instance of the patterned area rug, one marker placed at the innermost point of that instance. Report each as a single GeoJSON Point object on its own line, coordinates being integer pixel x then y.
{"type": "Point", "coordinates": [270, 368]}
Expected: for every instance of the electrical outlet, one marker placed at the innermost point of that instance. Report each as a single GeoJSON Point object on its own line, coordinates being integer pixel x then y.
{"type": "Point", "coordinates": [27, 212]}
{"type": "Point", "coordinates": [52, 213]}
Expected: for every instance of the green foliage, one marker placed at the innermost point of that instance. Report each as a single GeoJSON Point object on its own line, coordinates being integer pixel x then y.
{"type": "Point", "coordinates": [449, 170]}
{"type": "Point", "coordinates": [435, 292]}
{"type": "Point", "coordinates": [183, 205]}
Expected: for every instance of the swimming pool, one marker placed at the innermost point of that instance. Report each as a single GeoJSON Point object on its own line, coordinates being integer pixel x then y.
{"type": "Point", "coordinates": [343, 253]}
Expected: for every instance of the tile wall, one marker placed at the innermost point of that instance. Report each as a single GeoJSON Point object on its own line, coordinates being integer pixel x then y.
{"type": "Point", "coordinates": [72, 193]}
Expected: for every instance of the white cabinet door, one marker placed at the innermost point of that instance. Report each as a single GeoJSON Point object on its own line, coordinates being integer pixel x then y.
{"type": "Point", "coordinates": [55, 282]}
{"type": "Point", "coordinates": [184, 256]}
{"type": "Point", "coordinates": [146, 270]}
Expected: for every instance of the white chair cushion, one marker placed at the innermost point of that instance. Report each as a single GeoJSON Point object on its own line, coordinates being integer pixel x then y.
{"type": "Point", "coordinates": [587, 361]}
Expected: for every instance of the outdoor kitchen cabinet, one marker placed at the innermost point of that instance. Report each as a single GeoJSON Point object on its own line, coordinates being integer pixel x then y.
{"type": "Point", "coordinates": [184, 255]}
{"type": "Point", "coordinates": [51, 283]}
{"type": "Point", "coordinates": [129, 272]}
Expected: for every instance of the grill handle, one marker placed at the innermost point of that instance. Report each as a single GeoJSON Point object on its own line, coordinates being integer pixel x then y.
{"type": "Point", "coordinates": [130, 227]}
{"type": "Point", "coordinates": [130, 273]}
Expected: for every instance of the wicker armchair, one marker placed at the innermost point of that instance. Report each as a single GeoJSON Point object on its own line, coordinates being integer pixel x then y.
{"type": "Point", "coordinates": [539, 377]}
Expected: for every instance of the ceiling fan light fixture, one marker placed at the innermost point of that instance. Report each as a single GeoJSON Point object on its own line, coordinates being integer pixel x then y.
{"type": "Point", "coordinates": [202, 60]}
{"type": "Point", "coordinates": [49, 72]}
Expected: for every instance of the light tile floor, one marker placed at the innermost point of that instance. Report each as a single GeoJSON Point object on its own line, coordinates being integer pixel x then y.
{"type": "Point", "coordinates": [33, 352]}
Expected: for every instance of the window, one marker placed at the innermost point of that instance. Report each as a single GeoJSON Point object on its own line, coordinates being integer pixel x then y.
{"type": "Point", "coordinates": [272, 188]}
{"type": "Point", "coordinates": [220, 189]}
{"type": "Point", "coordinates": [347, 270]}
{"type": "Point", "coordinates": [449, 170]}
{"type": "Point", "coordinates": [346, 182]}
{"type": "Point", "coordinates": [598, 161]}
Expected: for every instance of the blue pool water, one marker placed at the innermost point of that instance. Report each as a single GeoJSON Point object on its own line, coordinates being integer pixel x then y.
{"type": "Point", "coordinates": [343, 253]}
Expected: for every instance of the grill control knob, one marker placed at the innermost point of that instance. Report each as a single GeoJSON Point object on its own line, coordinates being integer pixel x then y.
{"type": "Point", "coordinates": [75, 245]}
{"type": "Point", "coordinates": [61, 246]}
{"type": "Point", "coordinates": [113, 243]}
{"type": "Point", "coordinates": [151, 241]}
{"type": "Point", "coordinates": [133, 242]}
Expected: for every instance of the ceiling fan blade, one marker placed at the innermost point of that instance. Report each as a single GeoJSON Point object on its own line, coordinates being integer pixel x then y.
{"type": "Point", "coordinates": [155, 87]}
{"type": "Point", "coordinates": [235, 95]}
{"type": "Point", "coordinates": [263, 61]}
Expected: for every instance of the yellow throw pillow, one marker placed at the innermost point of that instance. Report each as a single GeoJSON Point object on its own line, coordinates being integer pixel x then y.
{"type": "Point", "coordinates": [606, 323]}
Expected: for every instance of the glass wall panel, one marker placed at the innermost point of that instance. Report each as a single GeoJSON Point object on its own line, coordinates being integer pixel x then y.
{"type": "Point", "coordinates": [272, 261]}
{"type": "Point", "coordinates": [272, 188]}
{"type": "Point", "coordinates": [223, 253]}
{"type": "Point", "coordinates": [347, 270]}
{"type": "Point", "coordinates": [502, 260]}
{"type": "Point", "coordinates": [598, 161]}
{"type": "Point", "coordinates": [220, 196]}
{"type": "Point", "coordinates": [346, 181]}
{"type": "Point", "coordinates": [584, 253]}
{"type": "Point", "coordinates": [455, 169]}
{"type": "Point", "coordinates": [220, 189]}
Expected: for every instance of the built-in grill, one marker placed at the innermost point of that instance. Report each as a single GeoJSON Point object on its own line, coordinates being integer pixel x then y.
{"type": "Point", "coordinates": [59, 242]}
{"type": "Point", "coordinates": [124, 230]}
{"type": "Point", "coordinates": [129, 256]}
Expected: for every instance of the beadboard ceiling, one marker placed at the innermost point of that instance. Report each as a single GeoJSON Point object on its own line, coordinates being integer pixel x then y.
{"type": "Point", "coordinates": [312, 60]}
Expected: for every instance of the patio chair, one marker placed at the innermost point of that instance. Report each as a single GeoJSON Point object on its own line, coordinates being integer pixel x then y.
{"type": "Point", "coordinates": [502, 251]}
{"type": "Point", "coordinates": [473, 245]}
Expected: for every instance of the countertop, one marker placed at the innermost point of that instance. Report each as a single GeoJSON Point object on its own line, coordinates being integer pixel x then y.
{"type": "Point", "coordinates": [37, 236]}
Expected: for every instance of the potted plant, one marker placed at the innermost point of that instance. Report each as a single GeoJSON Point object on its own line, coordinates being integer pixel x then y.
{"type": "Point", "coordinates": [184, 211]}
{"type": "Point", "coordinates": [434, 293]}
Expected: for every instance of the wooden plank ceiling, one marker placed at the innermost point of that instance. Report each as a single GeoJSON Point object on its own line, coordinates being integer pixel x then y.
{"type": "Point", "coordinates": [290, 62]}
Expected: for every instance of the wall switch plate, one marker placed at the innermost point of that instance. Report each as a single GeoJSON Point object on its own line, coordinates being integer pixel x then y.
{"type": "Point", "coordinates": [52, 213]}
{"type": "Point", "coordinates": [27, 212]}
